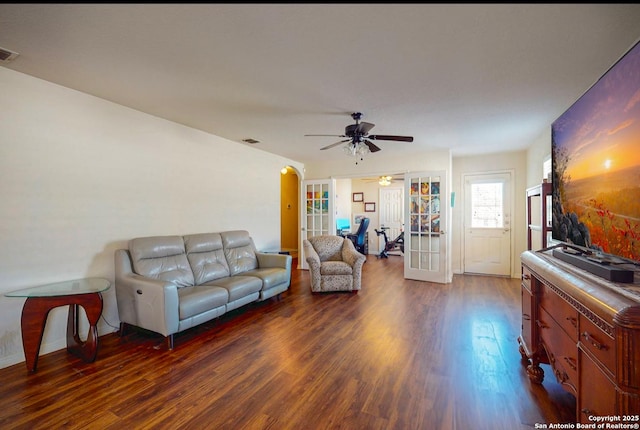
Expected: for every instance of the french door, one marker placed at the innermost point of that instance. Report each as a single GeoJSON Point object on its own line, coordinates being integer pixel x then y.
{"type": "Point", "coordinates": [425, 248]}
{"type": "Point", "coordinates": [318, 215]}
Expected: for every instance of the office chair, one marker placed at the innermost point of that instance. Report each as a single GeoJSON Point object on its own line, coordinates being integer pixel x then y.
{"type": "Point", "coordinates": [359, 236]}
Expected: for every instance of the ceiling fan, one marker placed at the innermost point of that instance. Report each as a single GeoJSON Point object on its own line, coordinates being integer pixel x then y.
{"type": "Point", "coordinates": [358, 137]}
{"type": "Point", "coordinates": [386, 180]}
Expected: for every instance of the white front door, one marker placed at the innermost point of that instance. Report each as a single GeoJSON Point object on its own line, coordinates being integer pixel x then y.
{"type": "Point", "coordinates": [425, 248]}
{"type": "Point", "coordinates": [487, 224]}
{"type": "Point", "coordinates": [391, 213]}
{"type": "Point", "coordinates": [318, 215]}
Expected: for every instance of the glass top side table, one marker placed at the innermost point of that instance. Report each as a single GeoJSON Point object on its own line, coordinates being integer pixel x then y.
{"type": "Point", "coordinates": [41, 299]}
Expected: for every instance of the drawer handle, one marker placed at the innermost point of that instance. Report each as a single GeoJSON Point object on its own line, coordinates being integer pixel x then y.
{"type": "Point", "coordinates": [526, 277]}
{"type": "Point", "coordinates": [597, 345]}
{"type": "Point", "coordinates": [571, 363]}
{"type": "Point", "coordinates": [573, 321]}
{"type": "Point", "coordinates": [561, 376]}
{"type": "Point", "coordinates": [526, 317]}
{"type": "Point", "coordinates": [541, 324]}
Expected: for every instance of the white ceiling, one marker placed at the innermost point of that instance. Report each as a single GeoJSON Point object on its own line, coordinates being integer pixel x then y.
{"type": "Point", "coordinates": [476, 78]}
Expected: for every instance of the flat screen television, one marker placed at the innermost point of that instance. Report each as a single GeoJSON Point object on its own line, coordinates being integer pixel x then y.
{"type": "Point", "coordinates": [596, 166]}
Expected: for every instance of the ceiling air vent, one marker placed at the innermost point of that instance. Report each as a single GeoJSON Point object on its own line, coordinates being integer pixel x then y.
{"type": "Point", "coordinates": [251, 141]}
{"type": "Point", "coordinates": [7, 56]}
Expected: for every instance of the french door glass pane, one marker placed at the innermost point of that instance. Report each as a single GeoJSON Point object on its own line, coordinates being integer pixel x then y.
{"type": "Point", "coordinates": [424, 218]}
{"type": "Point", "coordinates": [317, 203]}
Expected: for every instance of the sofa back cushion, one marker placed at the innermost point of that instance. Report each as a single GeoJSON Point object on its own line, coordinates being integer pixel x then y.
{"type": "Point", "coordinates": [206, 257]}
{"type": "Point", "coordinates": [161, 257]}
{"type": "Point", "coordinates": [239, 251]}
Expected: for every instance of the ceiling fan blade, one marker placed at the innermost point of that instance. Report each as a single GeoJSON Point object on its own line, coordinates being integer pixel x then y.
{"type": "Point", "coordinates": [334, 144]}
{"type": "Point", "coordinates": [326, 135]}
{"type": "Point", "coordinates": [364, 127]}
{"type": "Point", "coordinates": [388, 137]}
{"type": "Point", "coordinates": [372, 147]}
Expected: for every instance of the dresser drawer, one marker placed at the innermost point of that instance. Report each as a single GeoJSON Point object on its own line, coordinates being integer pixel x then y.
{"type": "Point", "coordinates": [564, 314]}
{"type": "Point", "coordinates": [597, 395]}
{"type": "Point", "coordinates": [598, 343]}
{"type": "Point", "coordinates": [561, 350]}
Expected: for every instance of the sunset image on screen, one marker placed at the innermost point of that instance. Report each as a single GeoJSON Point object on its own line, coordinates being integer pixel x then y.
{"type": "Point", "coordinates": [596, 150]}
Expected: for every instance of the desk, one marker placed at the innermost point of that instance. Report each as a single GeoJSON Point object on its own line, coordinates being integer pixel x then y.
{"type": "Point", "coordinates": [41, 299]}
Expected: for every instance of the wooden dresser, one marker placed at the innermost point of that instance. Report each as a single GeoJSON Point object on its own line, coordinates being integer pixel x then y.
{"type": "Point", "coordinates": [588, 330]}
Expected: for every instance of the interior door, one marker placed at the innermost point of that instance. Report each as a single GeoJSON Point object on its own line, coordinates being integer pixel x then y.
{"type": "Point", "coordinates": [318, 214]}
{"type": "Point", "coordinates": [425, 249]}
{"type": "Point", "coordinates": [487, 224]}
{"type": "Point", "coordinates": [391, 213]}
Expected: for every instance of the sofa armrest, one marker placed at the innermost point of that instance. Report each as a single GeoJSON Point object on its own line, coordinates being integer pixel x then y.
{"type": "Point", "coordinates": [144, 302]}
{"type": "Point", "coordinates": [274, 260]}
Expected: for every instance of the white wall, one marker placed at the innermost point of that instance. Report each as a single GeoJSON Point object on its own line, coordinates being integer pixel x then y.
{"type": "Point", "coordinates": [378, 164]}
{"type": "Point", "coordinates": [80, 176]}
{"type": "Point", "coordinates": [536, 154]}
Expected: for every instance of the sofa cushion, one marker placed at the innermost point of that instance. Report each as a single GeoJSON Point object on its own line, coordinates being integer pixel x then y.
{"type": "Point", "coordinates": [238, 286]}
{"type": "Point", "coordinates": [271, 276]}
{"type": "Point", "coordinates": [335, 268]}
{"type": "Point", "coordinates": [206, 257]}
{"type": "Point", "coordinates": [239, 251]}
{"type": "Point", "coordinates": [200, 298]}
{"type": "Point", "coordinates": [161, 257]}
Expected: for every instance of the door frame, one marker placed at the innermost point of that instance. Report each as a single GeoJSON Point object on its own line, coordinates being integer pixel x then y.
{"type": "Point", "coordinates": [463, 190]}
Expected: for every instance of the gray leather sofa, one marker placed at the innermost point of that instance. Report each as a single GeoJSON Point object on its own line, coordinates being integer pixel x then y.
{"type": "Point", "coordinates": [168, 284]}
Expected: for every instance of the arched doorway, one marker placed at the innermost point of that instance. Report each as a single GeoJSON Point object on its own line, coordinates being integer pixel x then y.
{"type": "Point", "coordinates": [289, 210]}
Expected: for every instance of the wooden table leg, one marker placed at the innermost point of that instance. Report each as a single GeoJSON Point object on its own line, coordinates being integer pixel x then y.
{"type": "Point", "coordinates": [87, 350]}
{"type": "Point", "coordinates": [34, 318]}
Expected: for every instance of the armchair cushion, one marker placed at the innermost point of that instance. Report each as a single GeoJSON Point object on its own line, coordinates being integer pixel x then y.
{"type": "Point", "coordinates": [335, 268]}
{"type": "Point", "coordinates": [329, 248]}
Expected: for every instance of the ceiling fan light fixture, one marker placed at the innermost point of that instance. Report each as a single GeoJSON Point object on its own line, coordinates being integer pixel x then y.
{"type": "Point", "coordinates": [385, 181]}
{"type": "Point", "coordinates": [356, 149]}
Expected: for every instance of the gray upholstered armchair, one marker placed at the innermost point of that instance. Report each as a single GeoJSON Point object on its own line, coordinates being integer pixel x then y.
{"type": "Point", "coordinates": [334, 264]}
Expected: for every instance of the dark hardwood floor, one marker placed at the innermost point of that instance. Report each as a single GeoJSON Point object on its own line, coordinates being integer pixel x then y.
{"type": "Point", "coordinates": [400, 354]}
